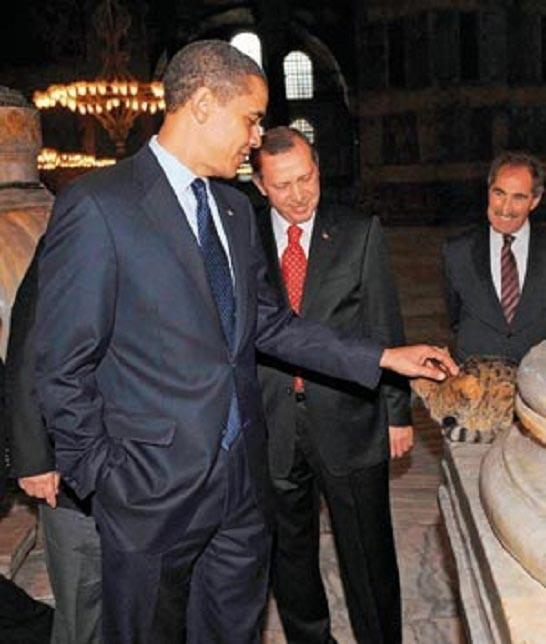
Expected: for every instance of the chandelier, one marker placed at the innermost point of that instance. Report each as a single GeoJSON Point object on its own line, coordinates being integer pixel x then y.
{"type": "Point", "coordinates": [115, 99]}
{"type": "Point", "coordinates": [50, 159]}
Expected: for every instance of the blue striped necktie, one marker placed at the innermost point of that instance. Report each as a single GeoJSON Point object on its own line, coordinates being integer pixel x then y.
{"type": "Point", "coordinates": [221, 286]}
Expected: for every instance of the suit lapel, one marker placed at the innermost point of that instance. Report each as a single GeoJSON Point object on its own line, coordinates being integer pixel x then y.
{"type": "Point", "coordinates": [323, 244]}
{"type": "Point", "coordinates": [481, 257]}
{"type": "Point", "coordinates": [164, 214]}
{"type": "Point", "coordinates": [534, 279]}
{"type": "Point", "coordinates": [271, 252]}
{"type": "Point", "coordinates": [233, 225]}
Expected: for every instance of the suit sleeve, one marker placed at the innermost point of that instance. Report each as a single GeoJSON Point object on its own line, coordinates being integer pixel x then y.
{"type": "Point", "coordinates": [31, 451]}
{"type": "Point", "coordinates": [74, 321]}
{"type": "Point", "coordinates": [382, 319]}
{"type": "Point", "coordinates": [452, 298]}
{"type": "Point", "coordinates": [310, 345]}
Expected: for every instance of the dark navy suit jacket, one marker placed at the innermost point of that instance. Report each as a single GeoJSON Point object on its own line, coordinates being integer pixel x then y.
{"type": "Point", "coordinates": [474, 310]}
{"type": "Point", "coordinates": [133, 372]}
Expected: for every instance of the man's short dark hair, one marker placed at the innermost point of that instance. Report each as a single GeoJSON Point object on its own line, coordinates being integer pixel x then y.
{"type": "Point", "coordinates": [276, 141]}
{"type": "Point", "coordinates": [208, 63]}
{"type": "Point", "coordinates": [519, 160]}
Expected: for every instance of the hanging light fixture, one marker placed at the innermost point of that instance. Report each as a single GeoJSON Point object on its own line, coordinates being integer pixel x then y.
{"type": "Point", "coordinates": [115, 99]}
{"type": "Point", "coordinates": [50, 159]}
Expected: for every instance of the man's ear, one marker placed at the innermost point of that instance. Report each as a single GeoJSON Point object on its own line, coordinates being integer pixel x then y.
{"type": "Point", "coordinates": [202, 103]}
{"type": "Point", "coordinates": [536, 201]}
{"type": "Point", "coordinates": [257, 181]}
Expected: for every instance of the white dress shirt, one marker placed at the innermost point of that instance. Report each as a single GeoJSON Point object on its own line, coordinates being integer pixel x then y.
{"type": "Point", "coordinates": [520, 248]}
{"type": "Point", "coordinates": [180, 179]}
{"type": "Point", "coordinates": [280, 226]}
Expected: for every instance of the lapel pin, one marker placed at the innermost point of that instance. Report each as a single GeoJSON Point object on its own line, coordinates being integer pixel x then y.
{"type": "Point", "coordinates": [230, 212]}
{"type": "Point", "coordinates": [325, 236]}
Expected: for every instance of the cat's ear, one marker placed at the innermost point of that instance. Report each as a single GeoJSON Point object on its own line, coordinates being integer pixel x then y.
{"type": "Point", "coordinates": [468, 386]}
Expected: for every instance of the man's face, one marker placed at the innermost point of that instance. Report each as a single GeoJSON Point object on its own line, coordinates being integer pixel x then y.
{"type": "Point", "coordinates": [511, 199]}
{"type": "Point", "coordinates": [290, 180]}
{"type": "Point", "coordinates": [233, 128]}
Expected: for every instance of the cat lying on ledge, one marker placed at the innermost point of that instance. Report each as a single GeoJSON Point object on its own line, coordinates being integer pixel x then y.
{"type": "Point", "coordinates": [475, 405]}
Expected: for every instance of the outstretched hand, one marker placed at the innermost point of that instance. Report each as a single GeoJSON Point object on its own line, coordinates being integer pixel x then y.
{"type": "Point", "coordinates": [419, 360]}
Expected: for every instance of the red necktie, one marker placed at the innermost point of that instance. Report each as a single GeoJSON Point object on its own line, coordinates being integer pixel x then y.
{"type": "Point", "coordinates": [293, 268]}
{"type": "Point", "coordinates": [509, 279]}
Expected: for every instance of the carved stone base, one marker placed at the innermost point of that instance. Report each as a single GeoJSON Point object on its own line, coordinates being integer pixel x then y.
{"type": "Point", "coordinates": [501, 602]}
{"type": "Point", "coordinates": [514, 499]}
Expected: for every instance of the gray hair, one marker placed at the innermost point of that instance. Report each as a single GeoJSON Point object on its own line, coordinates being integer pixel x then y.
{"type": "Point", "coordinates": [519, 160]}
{"type": "Point", "coordinates": [208, 63]}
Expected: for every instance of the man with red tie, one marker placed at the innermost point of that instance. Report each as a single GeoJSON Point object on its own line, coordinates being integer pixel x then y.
{"type": "Point", "coordinates": [493, 273]}
{"type": "Point", "coordinates": [326, 435]}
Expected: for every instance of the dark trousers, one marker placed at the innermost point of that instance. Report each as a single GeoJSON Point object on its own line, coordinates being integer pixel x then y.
{"type": "Point", "coordinates": [210, 588]}
{"type": "Point", "coordinates": [23, 620]}
{"type": "Point", "coordinates": [360, 514]}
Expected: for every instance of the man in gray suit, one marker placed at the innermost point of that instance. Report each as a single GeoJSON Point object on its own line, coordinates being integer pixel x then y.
{"type": "Point", "coordinates": [327, 435]}
{"type": "Point", "coordinates": [494, 273]}
{"type": "Point", "coordinates": [152, 303]}
{"type": "Point", "coordinates": [71, 542]}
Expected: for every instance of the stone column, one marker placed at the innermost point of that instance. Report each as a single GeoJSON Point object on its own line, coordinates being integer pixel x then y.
{"type": "Point", "coordinates": [24, 202]}
{"type": "Point", "coordinates": [512, 474]}
{"type": "Point", "coordinates": [272, 20]}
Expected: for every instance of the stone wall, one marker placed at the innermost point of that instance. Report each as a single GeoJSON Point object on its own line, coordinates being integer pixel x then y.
{"type": "Point", "coordinates": [415, 254]}
{"type": "Point", "coordinates": [443, 87]}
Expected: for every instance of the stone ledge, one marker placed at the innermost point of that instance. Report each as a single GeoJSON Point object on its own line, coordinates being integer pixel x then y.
{"type": "Point", "coordinates": [501, 602]}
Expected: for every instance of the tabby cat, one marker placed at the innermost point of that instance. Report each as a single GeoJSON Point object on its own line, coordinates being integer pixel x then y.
{"type": "Point", "coordinates": [474, 405]}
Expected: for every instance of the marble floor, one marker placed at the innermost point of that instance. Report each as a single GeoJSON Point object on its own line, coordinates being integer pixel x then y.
{"type": "Point", "coordinates": [428, 577]}
{"type": "Point", "coordinates": [429, 589]}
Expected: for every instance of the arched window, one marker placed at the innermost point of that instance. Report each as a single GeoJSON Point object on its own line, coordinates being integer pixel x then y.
{"type": "Point", "coordinates": [298, 75]}
{"type": "Point", "coordinates": [249, 44]}
{"type": "Point", "coordinates": [305, 128]}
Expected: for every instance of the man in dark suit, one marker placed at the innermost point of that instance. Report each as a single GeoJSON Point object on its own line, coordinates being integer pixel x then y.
{"type": "Point", "coordinates": [23, 620]}
{"type": "Point", "coordinates": [152, 302]}
{"type": "Point", "coordinates": [4, 463]}
{"type": "Point", "coordinates": [326, 435]}
{"type": "Point", "coordinates": [493, 273]}
{"type": "Point", "coordinates": [71, 541]}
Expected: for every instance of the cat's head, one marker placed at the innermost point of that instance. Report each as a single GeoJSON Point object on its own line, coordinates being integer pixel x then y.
{"type": "Point", "coordinates": [454, 390]}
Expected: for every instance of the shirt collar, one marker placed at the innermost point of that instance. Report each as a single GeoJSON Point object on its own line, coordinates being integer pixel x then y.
{"type": "Point", "coordinates": [179, 175]}
{"type": "Point", "coordinates": [521, 236]}
{"type": "Point", "coordinates": [281, 225]}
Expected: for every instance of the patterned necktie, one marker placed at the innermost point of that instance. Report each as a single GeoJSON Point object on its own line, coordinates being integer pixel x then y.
{"type": "Point", "coordinates": [216, 263]}
{"type": "Point", "coordinates": [221, 285]}
{"type": "Point", "coordinates": [293, 268]}
{"type": "Point", "coordinates": [509, 279]}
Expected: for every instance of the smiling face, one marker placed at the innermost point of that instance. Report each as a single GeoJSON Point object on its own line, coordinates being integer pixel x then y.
{"type": "Point", "coordinates": [232, 128]}
{"type": "Point", "coordinates": [511, 199]}
{"type": "Point", "coordinates": [290, 180]}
